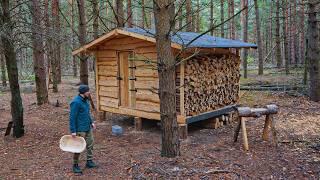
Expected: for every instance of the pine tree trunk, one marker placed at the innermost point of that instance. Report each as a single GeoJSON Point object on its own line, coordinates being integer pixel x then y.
{"type": "Point", "coordinates": [278, 45]}
{"type": "Point", "coordinates": [143, 14]}
{"type": "Point", "coordinates": [164, 13]}
{"type": "Point", "coordinates": [95, 27]}
{"type": "Point", "coordinates": [291, 36]}
{"type": "Point", "coordinates": [54, 48]}
{"type": "Point", "coordinates": [82, 39]}
{"type": "Point", "coordinates": [284, 31]}
{"type": "Point", "coordinates": [120, 13]}
{"type": "Point", "coordinates": [302, 33]}
{"type": "Point", "coordinates": [57, 41]}
{"type": "Point", "coordinates": [189, 16]}
{"type": "Point", "coordinates": [211, 16]}
{"type": "Point", "coordinates": [95, 13]}
{"type": "Point", "coordinates": [129, 13]}
{"type": "Point", "coordinates": [3, 71]}
{"type": "Point", "coordinates": [74, 61]}
{"type": "Point", "coordinates": [232, 21]}
{"type": "Point", "coordinates": [289, 31]}
{"type": "Point", "coordinates": [313, 52]}
{"type": "Point", "coordinates": [180, 16]}
{"type": "Point", "coordinates": [11, 62]}
{"type": "Point", "coordinates": [296, 35]}
{"type": "Point", "coordinates": [271, 32]}
{"type": "Point", "coordinates": [258, 38]}
{"type": "Point", "coordinates": [38, 54]}
{"type": "Point", "coordinates": [198, 16]}
{"type": "Point", "coordinates": [244, 22]}
{"type": "Point", "coordinates": [222, 17]}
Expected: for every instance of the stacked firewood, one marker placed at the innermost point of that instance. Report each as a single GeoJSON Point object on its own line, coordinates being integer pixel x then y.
{"type": "Point", "coordinates": [211, 82]}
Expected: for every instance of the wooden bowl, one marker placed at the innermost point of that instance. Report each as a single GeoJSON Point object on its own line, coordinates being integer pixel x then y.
{"type": "Point", "coordinates": [72, 144]}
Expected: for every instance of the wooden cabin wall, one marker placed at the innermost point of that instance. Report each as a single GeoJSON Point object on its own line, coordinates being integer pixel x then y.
{"type": "Point", "coordinates": [212, 82]}
{"type": "Point", "coordinates": [145, 78]}
{"type": "Point", "coordinates": [106, 78]}
{"type": "Point", "coordinates": [147, 82]}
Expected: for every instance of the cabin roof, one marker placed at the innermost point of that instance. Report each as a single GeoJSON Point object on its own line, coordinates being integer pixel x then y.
{"type": "Point", "coordinates": [179, 40]}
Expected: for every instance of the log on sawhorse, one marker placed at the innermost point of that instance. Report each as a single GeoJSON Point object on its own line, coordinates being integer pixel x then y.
{"type": "Point", "coordinates": [244, 112]}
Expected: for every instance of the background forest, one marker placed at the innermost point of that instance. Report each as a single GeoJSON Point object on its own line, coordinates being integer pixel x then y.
{"type": "Point", "coordinates": [282, 26]}
{"type": "Point", "coordinates": [39, 75]}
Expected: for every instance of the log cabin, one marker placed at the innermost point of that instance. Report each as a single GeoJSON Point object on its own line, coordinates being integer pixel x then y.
{"type": "Point", "coordinates": [127, 77]}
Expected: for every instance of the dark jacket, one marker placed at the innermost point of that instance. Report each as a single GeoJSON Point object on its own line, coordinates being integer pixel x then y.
{"type": "Point", "coordinates": [80, 119]}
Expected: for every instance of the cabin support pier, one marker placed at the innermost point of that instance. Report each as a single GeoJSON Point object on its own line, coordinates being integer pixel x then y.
{"type": "Point", "coordinates": [244, 112]}
{"type": "Point", "coordinates": [138, 123]}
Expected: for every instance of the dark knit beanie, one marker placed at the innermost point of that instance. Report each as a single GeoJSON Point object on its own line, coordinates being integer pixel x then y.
{"type": "Point", "coordinates": [83, 88]}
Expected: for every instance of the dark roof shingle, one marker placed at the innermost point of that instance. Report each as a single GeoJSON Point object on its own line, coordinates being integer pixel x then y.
{"type": "Point", "coordinates": [205, 41]}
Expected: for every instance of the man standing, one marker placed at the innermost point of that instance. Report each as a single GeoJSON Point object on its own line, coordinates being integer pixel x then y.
{"type": "Point", "coordinates": [81, 124]}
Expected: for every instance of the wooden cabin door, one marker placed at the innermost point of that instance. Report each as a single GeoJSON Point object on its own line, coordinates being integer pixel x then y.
{"type": "Point", "coordinates": [126, 83]}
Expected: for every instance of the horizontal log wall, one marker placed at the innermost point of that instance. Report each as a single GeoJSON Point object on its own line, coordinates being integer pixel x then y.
{"type": "Point", "coordinates": [212, 82]}
{"type": "Point", "coordinates": [147, 80]}
{"type": "Point", "coordinates": [145, 77]}
{"type": "Point", "coordinates": [107, 69]}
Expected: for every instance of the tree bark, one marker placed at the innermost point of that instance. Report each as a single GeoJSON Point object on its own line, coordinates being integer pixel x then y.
{"type": "Point", "coordinates": [143, 14]}
{"type": "Point", "coordinates": [129, 13]}
{"type": "Point", "coordinates": [164, 14]}
{"type": "Point", "coordinates": [189, 16]}
{"type": "Point", "coordinates": [95, 27]}
{"type": "Point", "coordinates": [3, 71]}
{"type": "Point", "coordinates": [74, 61]}
{"type": "Point", "coordinates": [271, 32]}
{"type": "Point", "coordinates": [57, 41]}
{"type": "Point", "coordinates": [54, 47]}
{"type": "Point", "coordinates": [284, 31]}
{"type": "Point", "coordinates": [211, 17]}
{"type": "Point", "coordinates": [293, 32]}
{"type": "Point", "coordinates": [296, 36]}
{"type": "Point", "coordinates": [38, 54]}
{"type": "Point", "coordinates": [198, 16]}
{"type": "Point", "coordinates": [244, 19]}
{"type": "Point", "coordinates": [278, 46]}
{"type": "Point", "coordinates": [11, 62]}
{"type": "Point", "coordinates": [289, 16]}
{"type": "Point", "coordinates": [313, 53]}
{"type": "Point", "coordinates": [258, 38]}
{"type": "Point", "coordinates": [82, 39]}
{"type": "Point", "coordinates": [95, 24]}
{"type": "Point", "coordinates": [222, 17]}
{"type": "Point", "coordinates": [232, 25]}
{"type": "Point", "coordinates": [120, 13]}
{"type": "Point", "coordinates": [180, 22]}
{"type": "Point", "coordinates": [302, 33]}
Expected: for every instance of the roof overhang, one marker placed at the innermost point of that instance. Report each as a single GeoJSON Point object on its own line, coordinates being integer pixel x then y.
{"type": "Point", "coordinates": [90, 46]}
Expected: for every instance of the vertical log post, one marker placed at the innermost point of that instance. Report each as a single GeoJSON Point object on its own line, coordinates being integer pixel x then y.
{"type": "Point", "coordinates": [273, 130]}
{"type": "Point", "coordinates": [102, 116]}
{"type": "Point", "coordinates": [183, 131]}
{"type": "Point", "coordinates": [236, 134]}
{"type": "Point", "coordinates": [138, 123]}
{"type": "Point", "coordinates": [265, 134]}
{"type": "Point", "coordinates": [244, 134]}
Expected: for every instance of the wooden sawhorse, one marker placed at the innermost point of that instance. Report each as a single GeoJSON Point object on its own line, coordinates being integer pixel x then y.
{"type": "Point", "coordinates": [268, 111]}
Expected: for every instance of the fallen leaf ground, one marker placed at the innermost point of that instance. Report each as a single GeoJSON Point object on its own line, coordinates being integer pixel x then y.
{"type": "Point", "coordinates": [206, 154]}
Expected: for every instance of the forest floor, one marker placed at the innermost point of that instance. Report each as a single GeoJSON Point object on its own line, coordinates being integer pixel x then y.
{"type": "Point", "coordinates": [205, 154]}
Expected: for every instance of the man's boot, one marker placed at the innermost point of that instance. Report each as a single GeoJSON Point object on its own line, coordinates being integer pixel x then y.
{"type": "Point", "coordinates": [91, 164]}
{"type": "Point", "coordinates": [76, 169]}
